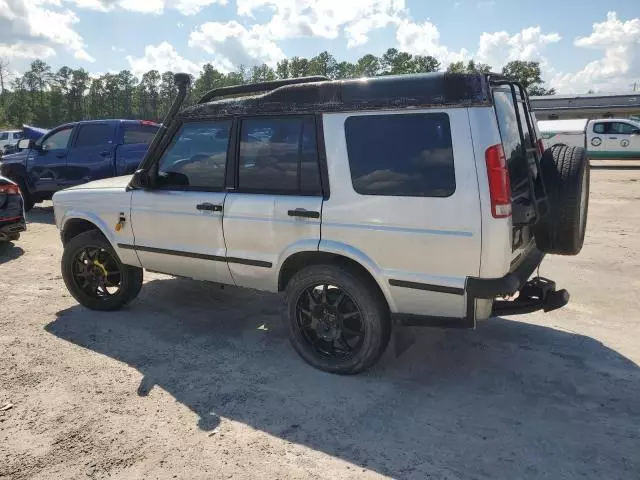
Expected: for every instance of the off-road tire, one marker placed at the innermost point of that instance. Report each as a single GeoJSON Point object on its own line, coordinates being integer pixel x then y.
{"type": "Point", "coordinates": [365, 293]}
{"type": "Point", "coordinates": [131, 277]}
{"type": "Point", "coordinates": [566, 176]}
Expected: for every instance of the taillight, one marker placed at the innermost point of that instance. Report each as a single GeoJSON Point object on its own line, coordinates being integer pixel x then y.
{"type": "Point", "coordinates": [10, 189]}
{"type": "Point", "coordinates": [499, 185]}
{"type": "Point", "coordinates": [540, 147]}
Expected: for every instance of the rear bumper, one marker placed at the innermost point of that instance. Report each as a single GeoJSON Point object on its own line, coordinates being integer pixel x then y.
{"type": "Point", "coordinates": [537, 294]}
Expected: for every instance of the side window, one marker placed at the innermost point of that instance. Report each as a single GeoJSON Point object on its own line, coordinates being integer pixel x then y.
{"type": "Point", "coordinates": [58, 140]}
{"type": "Point", "coordinates": [600, 128]}
{"type": "Point", "coordinates": [4, 135]}
{"type": "Point", "coordinates": [91, 135]}
{"type": "Point", "coordinates": [17, 135]}
{"type": "Point", "coordinates": [134, 134]}
{"type": "Point", "coordinates": [401, 155]}
{"type": "Point", "coordinates": [197, 157]}
{"type": "Point", "coordinates": [622, 128]}
{"type": "Point", "coordinates": [279, 155]}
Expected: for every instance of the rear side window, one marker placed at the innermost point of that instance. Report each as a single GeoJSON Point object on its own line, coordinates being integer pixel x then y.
{"type": "Point", "coordinates": [90, 135]}
{"type": "Point", "coordinates": [401, 155]}
{"type": "Point", "coordinates": [134, 134]}
{"type": "Point", "coordinates": [4, 135]}
{"type": "Point", "coordinates": [17, 135]}
{"type": "Point", "coordinates": [622, 128]}
{"type": "Point", "coordinates": [279, 155]}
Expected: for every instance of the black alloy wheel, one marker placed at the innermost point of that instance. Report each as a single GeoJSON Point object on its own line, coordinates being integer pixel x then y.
{"type": "Point", "coordinates": [96, 272]}
{"type": "Point", "coordinates": [330, 322]}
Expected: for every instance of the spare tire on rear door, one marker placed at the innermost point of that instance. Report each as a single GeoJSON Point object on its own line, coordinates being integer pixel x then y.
{"type": "Point", "coordinates": [566, 177]}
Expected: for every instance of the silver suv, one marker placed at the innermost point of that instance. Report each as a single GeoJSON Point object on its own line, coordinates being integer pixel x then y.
{"type": "Point", "coordinates": [373, 203]}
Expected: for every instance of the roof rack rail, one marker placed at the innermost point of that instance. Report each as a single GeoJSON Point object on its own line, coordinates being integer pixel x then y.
{"type": "Point", "coordinates": [258, 87]}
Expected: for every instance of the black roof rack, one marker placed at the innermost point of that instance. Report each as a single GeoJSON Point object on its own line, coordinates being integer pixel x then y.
{"type": "Point", "coordinates": [257, 87]}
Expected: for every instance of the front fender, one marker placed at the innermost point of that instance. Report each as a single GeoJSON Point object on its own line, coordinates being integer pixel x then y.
{"type": "Point", "coordinates": [127, 256]}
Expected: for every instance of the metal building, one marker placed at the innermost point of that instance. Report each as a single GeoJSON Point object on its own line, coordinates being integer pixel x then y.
{"type": "Point", "coordinates": [562, 107]}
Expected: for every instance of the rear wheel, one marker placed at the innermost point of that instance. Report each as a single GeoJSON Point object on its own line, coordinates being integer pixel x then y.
{"type": "Point", "coordinates": [566, 175]}
{"type": "Point", "coordinates": [95, 276]}
{"type": "Point", "coordinates": [337, 320]}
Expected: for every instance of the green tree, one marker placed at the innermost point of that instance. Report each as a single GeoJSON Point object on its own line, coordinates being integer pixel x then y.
{"type": "Point", "coordinates": [425, 64]}
{"type": "Point", "coordinates": [368, 66]}
{"type": "Point", "coordinates": [282, 69]}
{"type": "Point", "coordinates": [262, 73]}
{"type": "Point", "coordinates": [299, 67]}
{"type": "Point", "coordinates": [323, 64]}
{"type": "Point", "coordinates": [528, 75]}
{"type": "Point", "coordinates": [395, 62]}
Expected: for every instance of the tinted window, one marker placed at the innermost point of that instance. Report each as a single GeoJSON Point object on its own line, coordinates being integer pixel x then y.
{"type": "Point", "coordinates": [90, 135]}
{"type": "Point", "coordinates": [197, 157]}
{"type": "Point", "coordinates": [17, 135]}
{"type": "Point", "coordinates": [513, 148]}
{"type": "Point", "coordinates": [622, 128]}
{"type": "Point", "coordinates": [600, 128]}
{"type": "Point", "coordinates": [4, 135]}
{"type": "Point", "coordinates": [279, 155]}
{"type": "Point", "coordinates": [401, 155]}
{"type": "Point", "coordinates": [58, 140]}
{"type": "Point", "coordinates": [139, 134]}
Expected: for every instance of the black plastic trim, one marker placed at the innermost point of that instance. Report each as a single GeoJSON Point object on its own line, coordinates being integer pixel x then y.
{"type": "Point", "coordinates": [322, 157]}
{"type": "Point", "coordinates": [202, 256]}
{"type": "Point", "coordinates": [507, 285]}
{"type": "Point", "coordinates": [408, 320]}
{"type": "Point", "coordinates": [258, 87]}
{"type": "Point", "coordinates": [427, 287]}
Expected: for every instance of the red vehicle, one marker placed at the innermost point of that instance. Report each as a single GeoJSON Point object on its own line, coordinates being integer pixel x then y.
{"type": "Point", "coordinates": [12, 221]}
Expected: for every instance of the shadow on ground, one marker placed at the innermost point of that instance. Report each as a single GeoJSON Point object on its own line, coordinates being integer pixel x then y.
{"type": "Point", "coordinates": [531, 401]}
{"type": "Point", "coordinates": [9, 251]}
{"type": "Point", "coordinates": [43, 215]}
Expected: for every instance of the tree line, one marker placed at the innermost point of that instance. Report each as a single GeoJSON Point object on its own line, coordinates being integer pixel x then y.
{"type": "Point", "coordinates": [46, 98]}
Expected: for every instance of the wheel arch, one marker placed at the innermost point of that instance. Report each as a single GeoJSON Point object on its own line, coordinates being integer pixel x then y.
{"type": "Point", "coordinates": [75, 226]}
{"type": "Point", "coordinates": [359, 263]}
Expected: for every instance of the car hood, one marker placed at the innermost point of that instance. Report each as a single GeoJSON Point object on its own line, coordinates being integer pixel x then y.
{"type": "Point", "coordinates": [110, 183]}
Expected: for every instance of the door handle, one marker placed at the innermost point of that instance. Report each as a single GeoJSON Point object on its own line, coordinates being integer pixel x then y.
{"type": "Point", "coordinates": [613, 138]}
{"type": "Point", "coordinates": [106, 153]}
{"type": "Point", "coordinates": [62, 155]}
{"type": "Point", "coordinates": [210, 207]}
{"type": "Point", "coordinates": [302, 213]}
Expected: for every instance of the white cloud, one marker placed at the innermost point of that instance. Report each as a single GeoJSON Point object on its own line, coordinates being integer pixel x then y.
{"type": "Point", "coordinates": [499, 48]}
{"type": "Point", "coordinates": [162, 57]}
{"type": "Point", "coordinates": [232, 45]}
{"type": "Point", "coordinates": [28, 28]}
{"type": "Point", "coordinates": [324, 18]}
{"type": "Point", "coordinates": [424, 39]}
{"type": "Point", "coordinates": [619, 41]}
{"type": "Point", "coordinates": [186, 7]}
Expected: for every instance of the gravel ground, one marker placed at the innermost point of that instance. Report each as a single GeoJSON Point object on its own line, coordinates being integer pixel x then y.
{"type": "Point", "coordinates": [194, 382]}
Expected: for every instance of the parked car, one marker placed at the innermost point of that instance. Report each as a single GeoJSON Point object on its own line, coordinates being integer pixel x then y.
{"type": "Point", "coordinates": [12, 221]}
{"type": "Point", "coordinates": [77, 153]}
{"type": "Point", "coordinates": [9, 138]}
{"type": "Point", "coordinates": [604, 139]}
{"type": "Point", "coordinates": [33, 133]}
{"type": "Point", "coordinates": [411, 200]}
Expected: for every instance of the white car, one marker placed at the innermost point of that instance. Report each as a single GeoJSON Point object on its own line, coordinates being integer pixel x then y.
{"type": "Point", "coordinates": [9, 137]}
{"type": "Point", "coordinates": [409, 200]}
{"type": "Point", "coordinates": [604, 139]}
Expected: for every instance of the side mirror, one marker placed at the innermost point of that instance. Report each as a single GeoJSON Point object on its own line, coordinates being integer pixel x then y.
{"type": "Point", "coordinates": [140, 180]}
{"type": "Point", "coordinates": [25, 144]}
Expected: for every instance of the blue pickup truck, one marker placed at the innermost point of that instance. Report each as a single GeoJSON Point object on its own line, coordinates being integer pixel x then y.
{"type": "Point", "coordinates": [77, 153]}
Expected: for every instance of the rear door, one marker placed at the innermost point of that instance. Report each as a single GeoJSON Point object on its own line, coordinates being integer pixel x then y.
{"type": "Point", "coordinates": [92, 153]}
{"type": "Point", "coordinates": [275, 208]}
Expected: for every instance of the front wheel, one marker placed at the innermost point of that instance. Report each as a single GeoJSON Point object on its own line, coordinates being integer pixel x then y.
{"type": "Point", "coordinates": [95, 276]}
{"type": "Point", "coordinates": [338, 320]}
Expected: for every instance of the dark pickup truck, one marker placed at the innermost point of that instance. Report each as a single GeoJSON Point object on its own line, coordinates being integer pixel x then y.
{"type": "Point", "coordinates": [77, 153]}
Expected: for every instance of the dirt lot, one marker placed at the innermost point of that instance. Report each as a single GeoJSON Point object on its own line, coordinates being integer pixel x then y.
{"type": "Point", "coordinates": [197, 382]}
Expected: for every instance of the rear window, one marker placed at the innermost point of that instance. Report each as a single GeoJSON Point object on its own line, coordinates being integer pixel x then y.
{"type": "Point", "coordinates": [513, 148]}
{"type": "Point", "coordinates": [401, 155]}
{"type": "Point", "coordinates": [139, 134]}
